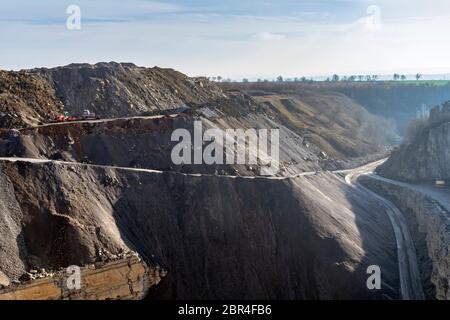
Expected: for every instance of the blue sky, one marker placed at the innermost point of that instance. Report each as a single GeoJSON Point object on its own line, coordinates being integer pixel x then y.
{"type": "Point", "coordinates": [245, 38]}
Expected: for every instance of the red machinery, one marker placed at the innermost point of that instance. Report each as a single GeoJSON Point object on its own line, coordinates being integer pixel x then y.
{"type": "Point", "coordinates": [66, 117]}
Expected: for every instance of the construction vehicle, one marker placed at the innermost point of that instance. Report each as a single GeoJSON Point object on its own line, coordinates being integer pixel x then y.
{"type": "Point", "coordinates": [66, 117]}
{"type": "Point", "coordinates": [440, 183]}
{"type": "Point", "coordinates": [88, 115]}
{"type": "Point", "coordinates": [72, 118]}
{"type": "Point", "coordinates": [61, 117]}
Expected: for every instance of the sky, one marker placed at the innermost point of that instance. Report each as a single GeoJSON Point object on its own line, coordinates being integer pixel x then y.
{"type": "Point", "coordinates": [233, 38]}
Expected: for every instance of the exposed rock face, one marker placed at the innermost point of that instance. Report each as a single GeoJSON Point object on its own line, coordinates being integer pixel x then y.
{"type": "Point", "coordinates": [124, 89]}
{"type": "Point", "coordinates": [427, 156]}
{"type": "Point", "coordinates": [430, 227]}
{"type": "Point", "coordinates": [338, 125]}
{"type": "Point", "coordinates": [217, 237]}
{"type": "Point", "coordinates": [333, 127]}
{"type": "Point", "coordinates": [4, 280]}
{"type": "Point", "coordinates": [124, 279]}
{"type": "Point", "coordinates": [108, 89]}
{"type": "Point", "coordinates": [331, 122]}
{"type": "Point", "coordinates": [146, 143]}
{"type": "Point", "coordinates": [398, 102]}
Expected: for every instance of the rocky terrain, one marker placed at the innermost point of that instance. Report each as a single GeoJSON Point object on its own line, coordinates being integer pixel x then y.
{"type": "Point", "coordinates": [146, 143]}
{"type": "Point", "coordinates": [396, 101]}
{"type": "Point", "coordinates": [430, 225]}
{"type": "Point", "coordinates": [26, 99]}
{"type": "Point", "coordinates": [124, 89]}
{"type": "Point", "coordinates": [125, 277]}
{"type": "Point", "coordinates": [409, 178]}
{"type": "Point", "coordinates": [335, 123]}
{"type": "Point", "coordinates": [329, 123]}
{"type": "Point", "coordinates": [426, 155]}
{"type": "Point", "coordinates": [326, 131]}
{"type": "Point", "coordinates": [83, 193]}
{"type": "Point", "coordinates": [303, 243]}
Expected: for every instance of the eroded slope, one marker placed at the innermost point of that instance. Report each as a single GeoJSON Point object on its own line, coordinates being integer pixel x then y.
{"type": "Point", "coordinates": [124, 89]}
{"type": "Point", "coordinates": [217, 237]}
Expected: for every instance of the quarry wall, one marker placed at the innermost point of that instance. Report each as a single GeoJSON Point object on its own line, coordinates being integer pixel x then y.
{"type": "Point", "coordinates": [430, 227]}
{"type": "Point", "coordinates": [129, 278]}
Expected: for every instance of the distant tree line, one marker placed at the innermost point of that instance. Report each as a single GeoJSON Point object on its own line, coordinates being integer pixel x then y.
{"type": "Point", "coordinates": [333, 78]}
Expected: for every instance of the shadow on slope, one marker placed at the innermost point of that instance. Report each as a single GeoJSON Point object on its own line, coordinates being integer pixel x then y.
{"type": "Point", "coordinates": [222, 238]}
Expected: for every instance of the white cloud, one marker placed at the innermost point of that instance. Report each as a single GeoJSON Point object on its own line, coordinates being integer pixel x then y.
{"type": "Point", "coordinates": [399, 38]}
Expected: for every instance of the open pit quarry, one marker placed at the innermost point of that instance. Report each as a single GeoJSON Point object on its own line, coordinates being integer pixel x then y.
{"type": "Point", "coordinates": [104, 195]}
{"type": "Point", "coordinates": [410, 178]}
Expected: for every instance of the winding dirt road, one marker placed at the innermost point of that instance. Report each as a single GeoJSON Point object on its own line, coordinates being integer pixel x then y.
{"type": "Point", "coordinates": [410, 282]}
{"type": "Point", "coordinates": [440, 195]}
